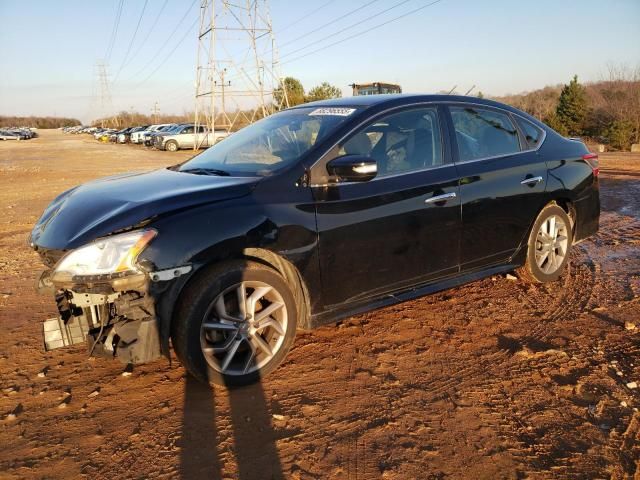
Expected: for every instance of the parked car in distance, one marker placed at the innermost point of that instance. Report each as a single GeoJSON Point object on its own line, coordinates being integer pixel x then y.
{"type": "Point", "coordinates": [103, 135]}
{"type": "Point", "coordinates": [123, 135]}
{"type": "Point", "coordinates": [185, 136]}
{"type": "Point", "coordinates": [7, 135]}
{"type": "Point", "coordinates": [137, 136]}
{"type": "Point", "coordinates": [126, 136]}
{"type": "Point", "coordinates": [310, 215]}
{"type": "Point", "coordinates": [148, 137]}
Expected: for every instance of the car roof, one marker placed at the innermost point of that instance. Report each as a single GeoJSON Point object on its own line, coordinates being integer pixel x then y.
{"type": "Point", "coordinates": [366, 102]}
{"type": "Point", "coordinates": [399, 99]}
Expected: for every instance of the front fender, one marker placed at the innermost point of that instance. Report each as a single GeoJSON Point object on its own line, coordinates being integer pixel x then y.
{"type": "Point", "coordinates": [210, 234]}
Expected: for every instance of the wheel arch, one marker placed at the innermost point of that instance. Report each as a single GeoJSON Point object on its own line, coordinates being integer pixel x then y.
{"type": "Point", "coordinates": [167, 302]}
{"type": "Point", "coordinates": [563, 202]}
{"type": "Point", "coordinates": [291, 274]}
{"type": "Point", "coordinates": [568, 206]}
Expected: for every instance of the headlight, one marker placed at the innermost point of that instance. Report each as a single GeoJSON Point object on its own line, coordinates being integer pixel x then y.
{"type": "Point", "coordinates": [103, 259]}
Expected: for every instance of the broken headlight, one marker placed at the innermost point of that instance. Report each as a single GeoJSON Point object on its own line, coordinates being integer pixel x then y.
{"type": "Point", "coordinates": [103, 259]}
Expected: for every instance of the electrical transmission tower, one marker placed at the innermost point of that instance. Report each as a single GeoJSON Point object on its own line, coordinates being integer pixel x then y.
{"type": "Point", "coordinates": [237, 74]}
{"type": "Point", "coordinates": [156, 112]}
{"type": "Point", "coordinates": [105, 105]}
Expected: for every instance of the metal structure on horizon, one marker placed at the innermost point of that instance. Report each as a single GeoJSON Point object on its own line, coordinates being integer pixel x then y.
{"type": "Point", "coordinates": [102, 98]}
{"type": "Point", "coordinates": [237, 73]}
{"type": "Point", "coordinates": [155, 111]}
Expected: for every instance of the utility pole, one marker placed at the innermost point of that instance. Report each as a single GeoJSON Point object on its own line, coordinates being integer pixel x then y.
{"type": "Point", "coordinates": [222, 99]}
{"type": "Point", "coordinates": [237, 66]}
{"type": "Point", "coordinates": [155, 111]}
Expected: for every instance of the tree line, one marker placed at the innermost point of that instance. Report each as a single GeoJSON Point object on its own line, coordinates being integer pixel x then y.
{"type": "Point", "coordinates": [128, 119]}
{"type": "Point", "coordinates": [38, 122]}
{"type": "Point", "coordinates": [606, 112]}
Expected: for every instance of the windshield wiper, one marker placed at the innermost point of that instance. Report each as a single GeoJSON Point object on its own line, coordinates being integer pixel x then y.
{"type": "Point", "coordinates": [206, 171]}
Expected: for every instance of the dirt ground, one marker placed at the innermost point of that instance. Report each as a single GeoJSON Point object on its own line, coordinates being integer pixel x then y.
{"type": "Point", "coordinates": [496, 379]}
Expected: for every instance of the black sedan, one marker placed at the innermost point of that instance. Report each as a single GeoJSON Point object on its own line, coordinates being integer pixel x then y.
{"type": "Point", "coordinates": [312, 214]}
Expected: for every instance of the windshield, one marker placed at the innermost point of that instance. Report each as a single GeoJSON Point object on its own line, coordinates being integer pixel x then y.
{"type": "Point", "coordinates": [270, 144]}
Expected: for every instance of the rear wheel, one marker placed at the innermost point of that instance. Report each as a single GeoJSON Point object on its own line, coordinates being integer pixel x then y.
{"type": "Point", "coordinates": [234, 324]}
{"type": "Point", "coordinates": [548, 247]}
{"type": "Point", "coordinates": [171, 146]}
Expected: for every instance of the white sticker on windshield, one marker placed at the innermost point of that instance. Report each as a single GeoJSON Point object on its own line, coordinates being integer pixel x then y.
{"type": "Point", "coordinates": [341, 112]}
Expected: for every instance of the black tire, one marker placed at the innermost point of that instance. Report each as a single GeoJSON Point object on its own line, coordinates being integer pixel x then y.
{"type": "Point", "coordinates": [194, 303]}
{"type": "Point", "coordinates": [531, 271]}
{"type": "Point", "coordinates": [171, 146]}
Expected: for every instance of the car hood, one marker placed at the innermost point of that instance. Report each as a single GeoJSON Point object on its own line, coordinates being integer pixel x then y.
{"type": "Point", "coordinates": [106, 205]}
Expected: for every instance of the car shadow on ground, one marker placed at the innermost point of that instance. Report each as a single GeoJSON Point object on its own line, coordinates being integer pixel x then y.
{"type": "Point", "coordinates": [254, 439]}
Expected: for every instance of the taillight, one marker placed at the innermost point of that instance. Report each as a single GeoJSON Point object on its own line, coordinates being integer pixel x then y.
{"type": "Point", "coordinates": [592, 160]}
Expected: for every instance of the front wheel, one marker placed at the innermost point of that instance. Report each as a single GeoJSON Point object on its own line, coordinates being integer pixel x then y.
{"type": "Point", "coordinates": [234, 324]}
{"type": "Point", "coordinates": [171, 146]}
{"type": "Point", "coordinates": [548, 247]}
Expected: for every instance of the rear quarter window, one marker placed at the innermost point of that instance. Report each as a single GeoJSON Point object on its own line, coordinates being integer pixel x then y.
{"type": "Point", "coordinates": [532, 133]}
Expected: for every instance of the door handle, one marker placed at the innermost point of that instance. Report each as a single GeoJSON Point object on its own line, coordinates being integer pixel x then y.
{"type": "Point", "coordinates": [440, 198]}
{"type": "Point", "coordinates": [531, 181]}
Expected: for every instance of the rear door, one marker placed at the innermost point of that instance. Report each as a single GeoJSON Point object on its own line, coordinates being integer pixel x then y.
{"type": "Point", "coordinates": [202, 138]}
{"type": "Point", "coordinates": [187, 137]}
{"type": "Point", "coordinates": [399, 229]}
{"type": "Point", "coordinates": [502, 183]}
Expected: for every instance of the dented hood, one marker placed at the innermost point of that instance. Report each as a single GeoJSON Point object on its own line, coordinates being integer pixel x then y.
{"type": "Point", "coordinates": [100, 207]}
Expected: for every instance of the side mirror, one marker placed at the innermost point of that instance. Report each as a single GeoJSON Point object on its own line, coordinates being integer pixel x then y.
{"type": "Point", "coordinates": [353, 168]}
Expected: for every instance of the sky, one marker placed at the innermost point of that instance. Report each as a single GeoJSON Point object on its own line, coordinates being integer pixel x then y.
{"type": "Point", "coordinates": [49, 48]}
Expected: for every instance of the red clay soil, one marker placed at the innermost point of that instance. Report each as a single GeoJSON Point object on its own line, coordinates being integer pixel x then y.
{"type": "Point", "coordinates": [495, 379]}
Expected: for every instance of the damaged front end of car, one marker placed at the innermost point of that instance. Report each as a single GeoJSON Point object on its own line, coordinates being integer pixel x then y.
{"type": "Point", "coordinates": [103, 296]}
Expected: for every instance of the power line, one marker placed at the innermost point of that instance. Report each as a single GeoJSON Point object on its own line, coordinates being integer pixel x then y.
{"type": "Point", "coordinates": [411, 12]}
{"type": "Point", "coordinates": [135, 33]}
{"type": "Point", "coordinates": [332, 35]}
{"type": "Point", "coordinates": [348, 27]}
{"type": "Point", "coordinates": [166, 42]}
{"type": "Point", "coordinates": [304, 17]}
{"type": "Point", "coordinates": [153, 26]}
{"type": "Point", "coordinates": [168, 55]}
{"type": "Point", "coordinates": [331, 22]}
{"type": "Point", "coordinates": [114, 31]}
{"type": "Point", "coordinates": [364, 31]}
{"type": "Point", "coordinates": [328, 23]}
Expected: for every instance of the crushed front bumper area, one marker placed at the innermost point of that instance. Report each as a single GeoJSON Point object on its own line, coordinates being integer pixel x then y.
{"type": "Point", "coordinates": [119, 325]}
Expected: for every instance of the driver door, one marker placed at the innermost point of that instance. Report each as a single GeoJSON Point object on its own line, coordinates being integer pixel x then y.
{"type": "Point", "coordinates": [399, 229]}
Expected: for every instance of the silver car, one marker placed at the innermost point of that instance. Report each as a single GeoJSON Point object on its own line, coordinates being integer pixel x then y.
{"type": "Point", "coordinates": [5, 135]}
{"type": "Point", "coordinates": [184, 136]}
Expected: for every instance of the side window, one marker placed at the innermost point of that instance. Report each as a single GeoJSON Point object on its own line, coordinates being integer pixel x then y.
{"type": "Point", "coordinates": [532, 133]}
{"type": "Point", "coordinates": [400, 142]}
{"type": "Point", "coordinates": [482, 133]}
{"type": "Point", "coordinates": [187, 130]}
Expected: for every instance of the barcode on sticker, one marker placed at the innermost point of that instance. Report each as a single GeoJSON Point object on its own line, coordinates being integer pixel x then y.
{"type": "Point", "coordinates": [342, 112]}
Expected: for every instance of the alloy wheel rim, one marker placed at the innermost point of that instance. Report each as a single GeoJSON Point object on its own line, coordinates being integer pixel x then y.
{"type": "Point", "coordinates": [552, 243]}
{"type": "Point", "coordinates": [243, 328]}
